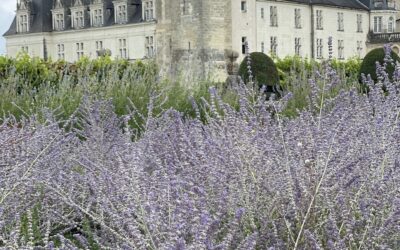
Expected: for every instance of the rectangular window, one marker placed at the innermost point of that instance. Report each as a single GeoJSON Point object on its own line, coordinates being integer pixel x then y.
{"type": "Point", "coordinates": [121, 14]}
{"type": "Point", "coordinates": [25, 49]}
{"type": "Point", "coordinates": [97, 18]}
{"type": "Point", "coordinates": [79, 50]}
{"type": "Point", "coordinates": [123, 52]}
{"type": "Point", "coordinates": [320, 48]}
{"type": "Point", "coordinates": [359, 23]}
{"type": "Point", "coordinates": [23, 23]}
{"type": "Point", "coordinates": [60, 51]}
{"type": "Point", "coordinates": [391, 25]}
{"type": "Point", "coordinates": [99, 45]}
{"type": "Point", "coordinates": [297, 46]}
{"type": "Point", "coordinates": [359, 48]}
{"type": "Point", "coordinates": [150, 46]}
{"type": "Point", "coordinates": [377, 24]}
{"type": "Point", "coordinates": [273, 16]}
{"type": "Point", "coordinates": [297, 18]}
{"type": "Point", "coordinates": [262, 13]}
{"type": "Point", "coordinates": [58, 22]}
{"type": "Point", "coordinates": [185, 8]}
{"type": "Point", "coordinates": [79, 21]}
{"type": "Point", "coordinates": [341, 49]}
{"type": "Point", "coordinates": [149, 11]}
{"type": "Point", "coordinates": [340, 21]}
{"type": "Point", "coordinates": [392, 4]}
{"type": "Point", "coordinates": [273, 45]}
{"type": "Point", "coordinates": [319, 20]}
{"type": "Point", "coordinates": [243, 6]}
{"type": "Point", "coordinates": [244, 40]}
{"type": "Point", "coordinates": [262, 47]}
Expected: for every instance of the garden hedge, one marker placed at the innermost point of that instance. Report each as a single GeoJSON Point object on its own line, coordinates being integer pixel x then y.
{"type": "Point", "coordinates": [263, 69]}
{"type": "Point", "coordinates": [368, 66]}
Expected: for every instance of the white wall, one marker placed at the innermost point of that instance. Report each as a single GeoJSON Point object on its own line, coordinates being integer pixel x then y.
{"type": "Point", "coordinates": [258, 30]}
{"type": "Point", "coordinates": [385, 14]}
{"type": "Point", "coordinates": [349, 35]}
{"type": "Point", "coordinates": [133, 33]}
{"type": "Point", "coordinates": [286, 32]}
{"type": "Point", "coordinates": [34, 42]}
{"type": "Point", "coordinates": [244, 24]}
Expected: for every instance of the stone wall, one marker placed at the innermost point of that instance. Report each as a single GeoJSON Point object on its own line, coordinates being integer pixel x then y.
{"type": "Point", "coordinates": [36, 42]}
{"type": "Point", "coordinates": [193, 31]}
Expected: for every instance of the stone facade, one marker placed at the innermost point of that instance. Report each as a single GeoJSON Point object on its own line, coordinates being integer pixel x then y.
{"type": "Point", "coordinates": [193, 30]}
{"type": "Point", "coordinates": [174, 32]}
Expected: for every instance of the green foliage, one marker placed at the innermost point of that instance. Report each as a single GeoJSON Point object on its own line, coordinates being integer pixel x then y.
{"type": "Point", "coordinates": [30, 226]}
{"type": "Point", "coordinates": [27, 85]}
{"type": "Point", "coordinates": [88, 230]}
{"type": "Point", "coordinates": [296, 63]}
{"type": "Point", "coordinates": [263, 69]}
{"type": "Point", "coordinates": [296, 73]}
{"type": "Point", "coordinates": [368, 66]}
{"type": "Point", "coordinates": [129, 86]}
{"type": "Point", "coordinates": [349, 67]}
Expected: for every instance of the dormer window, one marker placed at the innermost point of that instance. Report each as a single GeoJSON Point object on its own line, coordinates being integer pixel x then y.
{"type": "Point", "coordinates": [391, 4]}
{"type": "Point", "coordinates": [97, 17]}
{"type": "Point", "coordinates": [79, 15]}
{"type": "Point", "coordinates": [121, 14]}
{"type": "Point", "coordinates": [378, 3]}
{"type": "Point", "coordinates": [78, 19]}
{"type": "Point", "coordinates": [23, 23]}
{"type": "Point", "coordinates": [149, 11]}
{"type": "Point", "coordinates": [59, 14]}
{"type": "Point", "coordinates": [58, 22]}
{"type": "Point", "coordinates": [98, 13]}
{"type": "Point", "coordinates": [24, 9]}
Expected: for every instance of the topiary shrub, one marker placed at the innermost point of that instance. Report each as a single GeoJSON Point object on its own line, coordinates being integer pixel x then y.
{"type": "Point", "coordinates": [368, 66]}
{"type": "Point", "coordinates": [263, 69]}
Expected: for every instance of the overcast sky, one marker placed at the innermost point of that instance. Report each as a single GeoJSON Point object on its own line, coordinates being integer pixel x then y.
{"type": "Point", "coordinates": [7, 11]}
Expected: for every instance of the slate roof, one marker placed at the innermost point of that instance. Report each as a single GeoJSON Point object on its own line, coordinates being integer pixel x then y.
{"type": "Point", "coordinates": [366, 2]}
{"type": "Point", "coordinates": [42, 16]}
{"type": "Point", "coordinates": [353, 4]}
{"type": "Point", "coordinates": [371, 6]}
{"type": "Point", "coordinates": [42, 20]}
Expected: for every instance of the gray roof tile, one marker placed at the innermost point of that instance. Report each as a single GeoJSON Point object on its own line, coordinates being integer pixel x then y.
{"type": "Point", "coordinates": [353, 4]}
{"type": "Point", "coordinates": [42, 19]}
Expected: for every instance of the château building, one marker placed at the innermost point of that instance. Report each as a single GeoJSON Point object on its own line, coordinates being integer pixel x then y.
{"type": "Point", "coordinates": [172, 31]}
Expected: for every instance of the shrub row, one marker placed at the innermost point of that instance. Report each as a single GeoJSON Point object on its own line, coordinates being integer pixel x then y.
{"type": "Point", "coordinates": [29, 84]}
{"type": "Point", "coordinates": [35, 71]}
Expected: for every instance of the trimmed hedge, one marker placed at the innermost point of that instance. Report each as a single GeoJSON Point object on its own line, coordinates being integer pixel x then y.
{"type": "Point", "coordinates": [368, 66]}
{"type": "Point", "coordinates": [263, 68]}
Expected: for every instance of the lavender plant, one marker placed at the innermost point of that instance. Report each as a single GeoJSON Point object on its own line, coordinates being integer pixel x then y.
{"type": "Point", "coordinates": [246, 178]}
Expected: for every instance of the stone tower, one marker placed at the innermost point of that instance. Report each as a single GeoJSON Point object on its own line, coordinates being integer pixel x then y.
{"type": "Point", "coordinates": [193, 30]}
